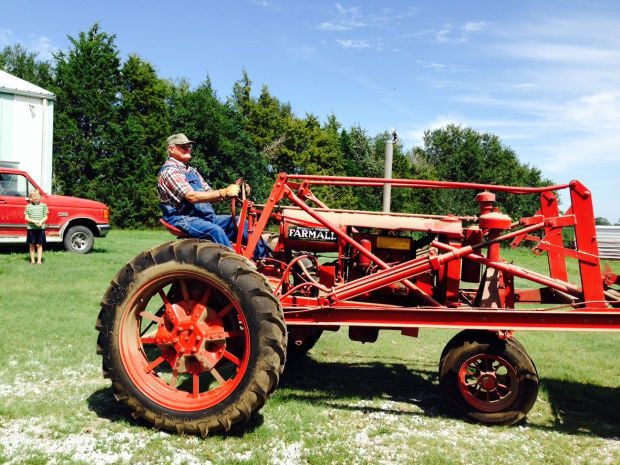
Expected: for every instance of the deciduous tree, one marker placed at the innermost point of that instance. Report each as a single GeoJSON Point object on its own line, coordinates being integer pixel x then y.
{"type": "Point", "coordinates": [16, 60]}
{"type": "Point", "coordinates": [224, 150]}
{"type": "Point", "coordinates": [462, 154]}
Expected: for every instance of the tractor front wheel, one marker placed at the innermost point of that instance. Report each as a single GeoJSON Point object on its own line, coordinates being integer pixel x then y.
{"type": "Point", "coordinates": [488, 379]}
{"type": "Point", "coordinates": [191, 337]}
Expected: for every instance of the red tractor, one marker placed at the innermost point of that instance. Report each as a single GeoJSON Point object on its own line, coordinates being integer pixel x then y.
{"type": "Point", "coordinates": [194, 336]}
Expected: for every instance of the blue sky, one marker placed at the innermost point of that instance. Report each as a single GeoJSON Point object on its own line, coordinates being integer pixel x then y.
{"type": "Point", "coordinates": [544, 76]}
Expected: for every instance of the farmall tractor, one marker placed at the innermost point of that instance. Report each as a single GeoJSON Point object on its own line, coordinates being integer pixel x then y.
{"type": "Point", "coordinates": [194, 336]}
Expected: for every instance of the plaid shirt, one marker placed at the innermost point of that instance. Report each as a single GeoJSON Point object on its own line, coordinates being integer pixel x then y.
{"type": "Point", "coordinates": [173, 186]}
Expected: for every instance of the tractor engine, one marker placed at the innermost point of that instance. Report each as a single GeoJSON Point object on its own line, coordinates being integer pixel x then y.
{"type": "Point", "coordinates": [326, 258]}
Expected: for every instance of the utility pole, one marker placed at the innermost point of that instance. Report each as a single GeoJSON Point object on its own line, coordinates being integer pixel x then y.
{"type": "Point", "coordinates": [387, 171]}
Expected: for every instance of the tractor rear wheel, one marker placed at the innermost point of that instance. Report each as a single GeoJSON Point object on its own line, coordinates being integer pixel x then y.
{"type": "Point", "coordinates": [487, 379]}
{"type": "Point", "coordinates": [192, 337]}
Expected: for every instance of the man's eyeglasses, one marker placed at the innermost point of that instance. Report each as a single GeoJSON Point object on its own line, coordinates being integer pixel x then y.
{"type": "Point", "coordinates": [185, 146]}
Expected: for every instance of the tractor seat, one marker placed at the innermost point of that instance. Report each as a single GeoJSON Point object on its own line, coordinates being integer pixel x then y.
{"type": "Point", "coordinates": [174, 230]}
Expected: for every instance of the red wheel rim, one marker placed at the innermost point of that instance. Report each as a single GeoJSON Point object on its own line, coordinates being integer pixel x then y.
{"type": "Point", "coordinates": [488, 382]}
{"type": "Point", "coordinates": [184, 342]}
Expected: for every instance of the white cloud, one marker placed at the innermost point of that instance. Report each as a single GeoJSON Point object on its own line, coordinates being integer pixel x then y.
{"type": "Point", "coordinates": [561, 53]}
{"type": "Point", "coordinates": [306, 54]}
{"type": "Point", "coordinates": [40, 45]}
{"type": "Point", "coordinates": [350, 43]}
{"type": "Point", "coordinates": [530, 107]}
{"type": "Point", "coordinates": [556, 99]}
{"type": "Point", "coordinates": [586, 134]}
{"type": "Point", "coordinates": [450, 67]}
{"type": "Point", "coordinates": [442, 36]}
{"type": "Point", "coordinates": [575, 154]}
{"type": "Point", "coordinates": [414, 134]}
{"type": "Point", "coordinates": [445, 36]}
{"type": "Point", "coordinates": [557, 137]}
{"type": "Point", "coordinates": [6, 37]}
{"type": "Point", "coordinates": [330, 26]}
{"type": "Point", "coordinates": [579, 29]}
{"type": "Point", "coordinates": [474, 26]}
{"type": "Point", "coordinates": [595, 112]}
{"type": "Point", "coordinates": [345, 19]}
{"type": "Point", "coordinates": [448, 35]}
{"type": "Point", "coordinates": [43, 47]}
{"type": "Point", "coordinates": [262, 3]}
{"type": "Point", "coordinates": [350, 18]}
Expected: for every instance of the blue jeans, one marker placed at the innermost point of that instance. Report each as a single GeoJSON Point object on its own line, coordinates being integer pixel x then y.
{"type": "Point", "coordinates": [217, 228]}
{"type": "Point", "coordinates": [199, 220]}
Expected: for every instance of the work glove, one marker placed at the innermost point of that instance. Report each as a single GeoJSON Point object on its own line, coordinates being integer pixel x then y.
{"type": "Point", "coordinates": [230, 191]}
{"type": "Point", "coordinates": [246, 186]}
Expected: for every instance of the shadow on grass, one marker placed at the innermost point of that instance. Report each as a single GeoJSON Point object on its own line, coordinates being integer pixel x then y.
{"type": "Point", "coordinates": [578, 409]}
{"type": "Point", "coordinates": [96, 250]}
{"type": "Point", "coordinates": [8, 249]}
{"type": "Point", "coordinates": [103, 403]}
{"type": "Point", "coordinates": [584, 408]}
{"type": "Point", "coordinates": [331, 383]}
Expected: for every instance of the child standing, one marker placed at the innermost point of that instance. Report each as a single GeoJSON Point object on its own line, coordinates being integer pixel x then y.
{"type": "Point", "coordinates": [36, 216]}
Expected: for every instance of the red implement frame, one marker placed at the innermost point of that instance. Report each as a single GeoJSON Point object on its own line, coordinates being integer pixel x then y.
{"type": "Point", "coordinates": [590, 306]}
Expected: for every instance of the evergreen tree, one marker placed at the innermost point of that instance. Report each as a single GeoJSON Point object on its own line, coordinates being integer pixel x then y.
{"type": "Point", "coordinates": [140, 145]}
{"type": "Point", "coordinates": [359, 153]}
{"type": "Point", "coordinates": [269, 123]}
{"type": "Point", "coordinates": [86, 120]}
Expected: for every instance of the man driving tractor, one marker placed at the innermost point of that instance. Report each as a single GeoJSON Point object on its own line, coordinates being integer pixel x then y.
{"type": "Point", "coordinates": [186, 198]}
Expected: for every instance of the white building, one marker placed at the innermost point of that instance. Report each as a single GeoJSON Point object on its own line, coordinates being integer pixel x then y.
{"type": "Point", "coordinates": [26, 128]}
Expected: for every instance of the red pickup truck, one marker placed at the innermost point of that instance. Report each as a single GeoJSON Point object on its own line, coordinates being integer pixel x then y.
{"type": "Point", "coordinates": [73, 221]}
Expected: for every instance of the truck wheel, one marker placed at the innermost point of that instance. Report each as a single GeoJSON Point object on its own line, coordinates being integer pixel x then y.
{"type": "Point", "coordinates": [192, 337]}
{"type": "Point", "coordinates": [79, 239]}
{"type": "Point", "coordinates": [489, 380]}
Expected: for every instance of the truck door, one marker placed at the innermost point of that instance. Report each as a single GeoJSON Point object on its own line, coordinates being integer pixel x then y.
{"type": "Point", "coordinates": [14, 189]}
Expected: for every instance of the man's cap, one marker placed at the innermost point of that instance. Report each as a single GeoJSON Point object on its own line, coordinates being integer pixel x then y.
{"type": "Point", "coordinates": [179, 139]}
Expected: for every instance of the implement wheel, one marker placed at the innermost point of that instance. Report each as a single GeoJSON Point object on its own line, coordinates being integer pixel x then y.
{"type": "Point", "coordinates": [191, 337]}
{"type": "Point", "coordinates": [487, 379]}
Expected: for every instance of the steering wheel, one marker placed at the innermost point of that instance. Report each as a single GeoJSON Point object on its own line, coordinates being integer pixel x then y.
{"type": "Point", "coordinates": [242, 197]}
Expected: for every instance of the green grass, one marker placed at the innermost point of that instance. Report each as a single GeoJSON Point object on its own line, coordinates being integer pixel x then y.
{"type": "Point", "coordinates": [348, 403]}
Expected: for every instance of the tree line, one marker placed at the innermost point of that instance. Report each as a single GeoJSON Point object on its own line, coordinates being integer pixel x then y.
{"type": "Point", "coordinates": [112, 117]}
